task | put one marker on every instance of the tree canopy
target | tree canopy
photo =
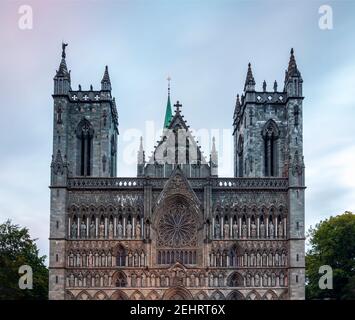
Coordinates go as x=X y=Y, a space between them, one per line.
x=17 y=249
x=332 y=242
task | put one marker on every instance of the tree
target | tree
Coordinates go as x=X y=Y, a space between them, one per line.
x=17 y=249
x=332 y=242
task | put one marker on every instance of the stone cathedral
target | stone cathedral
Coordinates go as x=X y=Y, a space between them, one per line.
x=177 y=230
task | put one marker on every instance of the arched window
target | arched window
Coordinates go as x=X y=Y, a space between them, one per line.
x=270 y=134
x=121 y=279
x=240 y=155
x=121 y=257
x=85 y=133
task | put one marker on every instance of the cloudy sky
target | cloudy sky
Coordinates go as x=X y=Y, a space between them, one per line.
x=205 y=47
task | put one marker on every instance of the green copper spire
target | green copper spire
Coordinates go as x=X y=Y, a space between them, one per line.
x=168 y=113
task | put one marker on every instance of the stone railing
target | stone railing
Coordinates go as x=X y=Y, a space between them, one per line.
x=158 y=183
x=250 y=183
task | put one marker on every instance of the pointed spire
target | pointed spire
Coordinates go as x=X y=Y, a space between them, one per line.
x=141 y=159
x=264 y=86
x=275 y=86
x=214 y=158
x=237 y=106
x=249 y=81
x=63 y=70
x=292 y=70
x=106 y=82
x=168 y=112
x=62 y=76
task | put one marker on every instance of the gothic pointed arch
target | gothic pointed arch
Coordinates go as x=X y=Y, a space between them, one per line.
x=201 y=295
x=217 y=295
x=153 y=295
x=120 y=279
x=69 y=295
x=85 y=134
x=235 y=295
x=83 y=295
x=235 y=280
x=137 y=295
x=270 y=295
x=270 y=134
x=100 y=295
x=120 y=256
x=119 y=295
x=177 y=293
x=253 y=295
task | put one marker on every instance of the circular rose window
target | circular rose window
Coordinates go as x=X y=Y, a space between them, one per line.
x=177 y=227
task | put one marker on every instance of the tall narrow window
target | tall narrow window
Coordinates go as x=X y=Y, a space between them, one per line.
x=240 y=155
x=85 y=134
x=270 y=135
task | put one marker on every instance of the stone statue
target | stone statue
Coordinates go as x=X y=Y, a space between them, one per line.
x=271 y=229
x=90 y=259
x=235 y=230
x=110 y=230
x=280 y=230
x=102 y=229
x=226 y=230
x=74 y=230
x=253 y=230
x=262 y=229
x=217 y=230
x=129 y=230
x=244 y=230
x=138 y=230
x=92 y=230
x=119 y=230
x=83 y=229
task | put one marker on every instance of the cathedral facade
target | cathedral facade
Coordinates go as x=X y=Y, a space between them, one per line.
x=177 y=230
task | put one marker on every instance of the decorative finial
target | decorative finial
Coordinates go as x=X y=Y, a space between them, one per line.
x=291 y=50
x=79 y=87
x=169 y=79
x=91 y=87
x=63 y=49
x=177 y=106
x=264 y=86
x=275 y=86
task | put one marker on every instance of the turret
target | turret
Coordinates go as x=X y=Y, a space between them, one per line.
x=62 y=77
x=214 y=159
x=293 y=78
x=140 y=159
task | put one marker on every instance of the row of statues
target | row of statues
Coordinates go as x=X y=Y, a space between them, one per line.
x=84 y=233
x=244 y=230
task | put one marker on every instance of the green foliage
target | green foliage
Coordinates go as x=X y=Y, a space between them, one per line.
x=332 y=242
x=16 y=249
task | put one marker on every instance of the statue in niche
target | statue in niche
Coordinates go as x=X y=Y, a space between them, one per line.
x=253 y=229
x=147 y=229
x=102 y=229
x=271 y=229
x=110 y=230
x=217 y=230
x=280 y=230
x=235 y=230
x=92 y=229
x=74 y=229
x=226 y=230
x=129 y=230
x=83 y=229
x=138 y=230
x=90 y=259
x=119 y=230
x=244 y=230
x=262 y=229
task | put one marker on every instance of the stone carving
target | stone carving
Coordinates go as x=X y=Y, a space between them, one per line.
x=244 y=230
x=129 y=230
x=92 y=230
x=138 y=230
x=235 y=230
x=83 y=229
x=253 y=229
x=102 y=230
x=110 y=230
x=74 y=230
x=271 y=229
x=226 y=230
x=119 y=230
x=217 y=230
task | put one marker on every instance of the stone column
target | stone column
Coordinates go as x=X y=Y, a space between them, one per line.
x=124 y=227
x=267 y=227
x=248 y=227
x=133 y=228
x=258 y=227
x=97 y=227
x=87 y=227
x=231 y=227
x=115 y=227
x=78 y=229
x=106 y=228
x=142 y=228
x=285 y=227
x=240 y=227
x=222 y=227
x=69 y=228
x=213 y=235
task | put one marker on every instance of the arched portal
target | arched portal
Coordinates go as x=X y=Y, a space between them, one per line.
x=177 y=293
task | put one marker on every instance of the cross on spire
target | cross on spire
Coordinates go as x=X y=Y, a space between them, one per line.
x=169 y=79
x=177 y=106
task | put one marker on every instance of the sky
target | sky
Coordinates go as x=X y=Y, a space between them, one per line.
x=204 y=46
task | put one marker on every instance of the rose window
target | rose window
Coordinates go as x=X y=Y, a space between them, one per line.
x=177 y=227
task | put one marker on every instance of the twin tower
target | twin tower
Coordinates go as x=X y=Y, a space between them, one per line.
x=233 y=238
